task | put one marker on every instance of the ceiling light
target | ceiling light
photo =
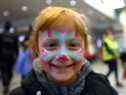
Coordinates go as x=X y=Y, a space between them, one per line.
x=24 y=8
x=49 y=2
x=6 y=13
x=73 y=2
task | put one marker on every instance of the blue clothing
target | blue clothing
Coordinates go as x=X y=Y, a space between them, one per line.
x=24 y=63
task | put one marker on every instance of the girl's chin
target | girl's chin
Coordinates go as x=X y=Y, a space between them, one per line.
x=63 y=78
x=62 y=75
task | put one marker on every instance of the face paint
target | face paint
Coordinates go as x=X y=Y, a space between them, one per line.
x=77 y=56
x=45 y=55
x=64 y=36
x=63 y=52
x=62 y=59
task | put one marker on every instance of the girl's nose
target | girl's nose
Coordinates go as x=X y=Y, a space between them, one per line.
x=62 y=58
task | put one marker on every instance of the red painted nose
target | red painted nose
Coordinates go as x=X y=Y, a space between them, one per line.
x=62 y=58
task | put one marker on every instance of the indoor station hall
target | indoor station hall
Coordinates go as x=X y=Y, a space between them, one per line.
x=62 y=47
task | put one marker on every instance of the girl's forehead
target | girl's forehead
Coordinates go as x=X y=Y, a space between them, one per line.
x=66 y=28
x=62 y=33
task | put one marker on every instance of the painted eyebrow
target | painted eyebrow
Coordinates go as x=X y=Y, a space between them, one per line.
x=51 y=40
x=74 y=39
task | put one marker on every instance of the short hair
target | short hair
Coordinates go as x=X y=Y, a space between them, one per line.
x=54 y=17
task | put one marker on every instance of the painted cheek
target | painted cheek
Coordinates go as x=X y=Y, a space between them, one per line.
x=45 y=56
x=43 y=60
x=76 y=56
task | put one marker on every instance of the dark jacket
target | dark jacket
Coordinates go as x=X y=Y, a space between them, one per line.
x=96 y=84
x=8 y=47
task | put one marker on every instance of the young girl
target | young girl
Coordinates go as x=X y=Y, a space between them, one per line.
x=59 y=36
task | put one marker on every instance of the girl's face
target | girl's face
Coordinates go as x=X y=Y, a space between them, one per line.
x=61 y=54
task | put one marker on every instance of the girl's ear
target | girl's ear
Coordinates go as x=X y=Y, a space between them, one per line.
x=34 y=53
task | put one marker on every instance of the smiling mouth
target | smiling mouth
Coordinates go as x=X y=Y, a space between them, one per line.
x=62 y=66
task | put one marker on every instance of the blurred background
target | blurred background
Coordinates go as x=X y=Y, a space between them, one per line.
x=16 y=18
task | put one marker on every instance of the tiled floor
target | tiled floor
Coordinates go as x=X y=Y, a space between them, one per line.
x=98 y=67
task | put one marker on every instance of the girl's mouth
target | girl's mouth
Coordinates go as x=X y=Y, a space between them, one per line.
x=62 y=66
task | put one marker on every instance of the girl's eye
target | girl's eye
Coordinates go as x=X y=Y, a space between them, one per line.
x=74 y=45
x=51 y=45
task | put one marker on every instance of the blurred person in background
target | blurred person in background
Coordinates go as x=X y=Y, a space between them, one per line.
x=8 y=56
x=59 y=36
x=123 y=61
x=24 y=60
x=111 y=54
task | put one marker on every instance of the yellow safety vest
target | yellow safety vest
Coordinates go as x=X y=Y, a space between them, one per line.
x=112 y=44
